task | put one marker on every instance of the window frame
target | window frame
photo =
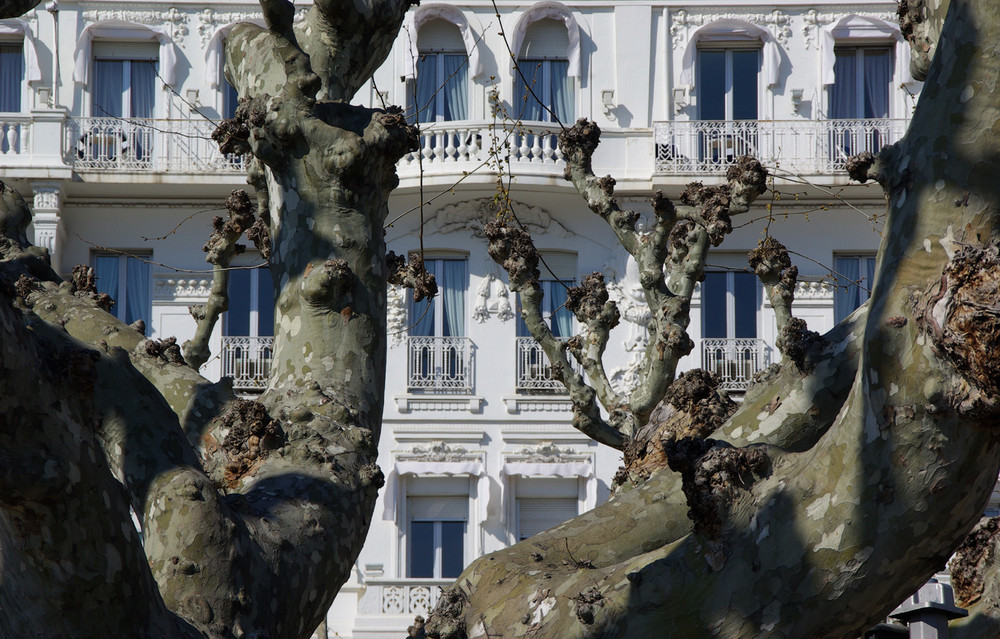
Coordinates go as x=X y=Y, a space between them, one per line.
x=729 y=48
x=439 y=50
x=127 y=60
x=433 y=263
x=23 y=96
x=120 y=307
x=731 y=305
x=542 y=488
x=859 y=48
x=254 y=295
x=450 y=487
x=862 y=258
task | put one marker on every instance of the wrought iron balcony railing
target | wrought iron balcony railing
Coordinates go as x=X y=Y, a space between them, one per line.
x=797 y=146
x=247 y=360
x=534 y=372
x=147 y=145
x=440 y=364
x=735 y=361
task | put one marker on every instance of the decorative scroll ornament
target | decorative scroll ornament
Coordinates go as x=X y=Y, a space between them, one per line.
x=47 y=198
x=814 y=21
x=813 y=290
x=172 y=16
x=209 y=21
x=546 y=453
x=438 y=451
x=168 y=288
x=472 y=215
x=683 y=22
x=396 y=314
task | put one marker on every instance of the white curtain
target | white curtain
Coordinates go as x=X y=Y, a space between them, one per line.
x=137 y=290
x=843 y=92
x=562 y=91
x=456 y=87
x=452 y=287
x=427 y=87
x=877 y=73
x=845 y=296
x=107 y=89
x=11 y=76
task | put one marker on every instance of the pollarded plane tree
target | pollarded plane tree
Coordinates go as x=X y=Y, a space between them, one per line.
x=850 y=472
x=252 y=513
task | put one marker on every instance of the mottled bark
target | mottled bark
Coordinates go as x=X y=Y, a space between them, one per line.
x=843 y=481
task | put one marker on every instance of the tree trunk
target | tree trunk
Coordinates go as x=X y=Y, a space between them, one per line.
x=817 y=533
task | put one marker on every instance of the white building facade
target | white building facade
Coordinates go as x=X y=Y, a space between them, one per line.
x=106 y=114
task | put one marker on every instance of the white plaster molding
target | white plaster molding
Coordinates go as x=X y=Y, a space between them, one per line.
x=168 y=288
x=547 y=452
x=537 y=404
x=492 y=296
x=396 y=314
x=210 y=21
x=439 y=403
x=627 y=294
x=177 y=19
x=779 y=24
x=47 y=198
x=472 y=215
x=813 y=21
x=813 y=290
x=439 y=451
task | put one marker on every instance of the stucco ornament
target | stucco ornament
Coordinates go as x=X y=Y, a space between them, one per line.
x=472 y=216
x=492 y=296
x=627 y=294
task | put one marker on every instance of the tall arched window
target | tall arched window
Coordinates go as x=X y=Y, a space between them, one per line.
x=543 y=60
x=440 y=92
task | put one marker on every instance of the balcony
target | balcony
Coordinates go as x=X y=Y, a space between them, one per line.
x=450 y=147
x=796 y=146
x=735 y=361
x=388 y=606
x=439 y=364
x=15 y=136
x=534 y=373
x=247 y=360
x=146 y=146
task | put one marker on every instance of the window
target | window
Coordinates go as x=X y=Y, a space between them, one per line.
x=436 y=536
x=729 y=305
x=441 y=90
x=728 y=83
x=859 y=273
x=124 y=79
x=11 y=76
x=444 y=314
x=251 y=303
x=861 y=83
x=123 y=87
x=126 y=279
x=543 y=503
x=544 y=64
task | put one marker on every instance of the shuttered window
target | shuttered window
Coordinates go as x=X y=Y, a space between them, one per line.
x=537 y=515
x=545 y=39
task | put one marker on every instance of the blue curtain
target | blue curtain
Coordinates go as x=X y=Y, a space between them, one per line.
x=845 y=296
x=107 y=89
x=526 y=107
x=452 y=285
x=11 y=76
x=137 y=290
x=143 y=88
x=456 y=87
x=421 y=317
x=843 y=93
x=106 y=274
x=877 y=71
x=562 y=91
x=427 y=86
x=562 y=319
x=265 y=302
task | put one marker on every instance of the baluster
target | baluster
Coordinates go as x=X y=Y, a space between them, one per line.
x=428 y=149
x=464 y=135
x=547 y=151
x=473 y=146
x=439 y=147
x=449 y=149
x=536 y=148
x=12 y=138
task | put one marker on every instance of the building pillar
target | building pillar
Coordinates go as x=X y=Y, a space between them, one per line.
x=47 y=222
